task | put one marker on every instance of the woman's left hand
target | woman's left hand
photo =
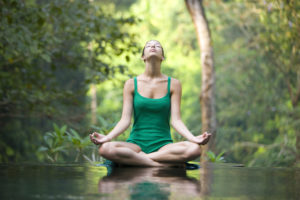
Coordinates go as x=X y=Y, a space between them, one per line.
x=201 y=139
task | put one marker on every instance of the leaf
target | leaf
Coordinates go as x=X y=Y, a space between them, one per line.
x=49 y=142
x=56 y=129
x=50 y=158
x=76 y=141
x=210 y=154
x=59 y=149
x=75 y=134
x=63 y=129
x=87 y=158
x=43 y=148
x=46 y=57
x=220 y=155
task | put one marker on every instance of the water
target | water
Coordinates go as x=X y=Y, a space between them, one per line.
x=84 y=181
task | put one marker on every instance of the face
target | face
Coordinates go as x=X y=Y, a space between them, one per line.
x=153 y=48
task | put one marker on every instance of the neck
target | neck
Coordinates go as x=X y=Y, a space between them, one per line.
x=152 y=69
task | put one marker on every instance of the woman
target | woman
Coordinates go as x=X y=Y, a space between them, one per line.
x=155 y=98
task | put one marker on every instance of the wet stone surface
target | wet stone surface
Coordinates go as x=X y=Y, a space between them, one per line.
x=85 y=181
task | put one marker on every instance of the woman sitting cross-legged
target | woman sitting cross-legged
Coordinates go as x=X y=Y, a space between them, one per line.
x=154 y=99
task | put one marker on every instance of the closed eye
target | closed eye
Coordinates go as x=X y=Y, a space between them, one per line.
x=155 y=46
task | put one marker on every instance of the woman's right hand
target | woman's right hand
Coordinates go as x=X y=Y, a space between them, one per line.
x=98 y=138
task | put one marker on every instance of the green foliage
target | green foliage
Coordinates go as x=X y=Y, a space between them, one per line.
x=55 y=143
x=255 y=67
x=212 y=157
x=256 y=74
x=78 y=143
x=105 y=125
x=54 y=35
x=51 y=50
x=64 y=143
x=49 y=53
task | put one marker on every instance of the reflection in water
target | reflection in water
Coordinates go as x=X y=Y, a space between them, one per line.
x=146 y=190
x=206 y=178
x=149 y=183
x=213 y=181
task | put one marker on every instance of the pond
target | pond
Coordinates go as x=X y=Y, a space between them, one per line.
x=85 y=181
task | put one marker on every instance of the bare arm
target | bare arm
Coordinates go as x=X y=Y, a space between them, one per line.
x=125 y=120
x=176 y=121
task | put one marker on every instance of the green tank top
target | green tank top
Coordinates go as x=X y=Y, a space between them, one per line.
x=151 y=126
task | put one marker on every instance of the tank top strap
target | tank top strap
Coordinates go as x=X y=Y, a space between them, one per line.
x=135 y=84
x=169 y=84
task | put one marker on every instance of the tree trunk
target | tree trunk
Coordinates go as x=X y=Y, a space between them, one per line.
x=207 y=96
x=93 y=91
x=94 y=104
x=297 y=148
x=295 y=102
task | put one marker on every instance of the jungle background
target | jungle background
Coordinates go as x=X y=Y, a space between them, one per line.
x=63 y=62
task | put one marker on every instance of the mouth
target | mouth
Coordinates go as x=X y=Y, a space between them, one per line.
x=152 y=50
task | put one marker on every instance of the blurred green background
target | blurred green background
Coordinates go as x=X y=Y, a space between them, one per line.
x=59 y=57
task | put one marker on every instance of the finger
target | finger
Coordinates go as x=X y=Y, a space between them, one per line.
x=207 y=140
x=91 y=137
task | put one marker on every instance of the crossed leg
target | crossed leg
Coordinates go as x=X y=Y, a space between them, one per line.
x=131 y=154
x=126 y=153
x=179 y=152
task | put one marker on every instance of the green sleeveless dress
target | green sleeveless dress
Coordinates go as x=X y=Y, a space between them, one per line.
x=151 y=126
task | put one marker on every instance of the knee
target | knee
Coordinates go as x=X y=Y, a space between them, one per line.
x=193 y=151
x=105 y=149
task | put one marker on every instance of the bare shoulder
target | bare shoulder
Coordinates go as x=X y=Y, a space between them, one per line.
x=175 y=84
x=129 y=85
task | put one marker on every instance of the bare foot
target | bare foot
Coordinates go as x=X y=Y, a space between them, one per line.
x=152 y=163
x=162 y=164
